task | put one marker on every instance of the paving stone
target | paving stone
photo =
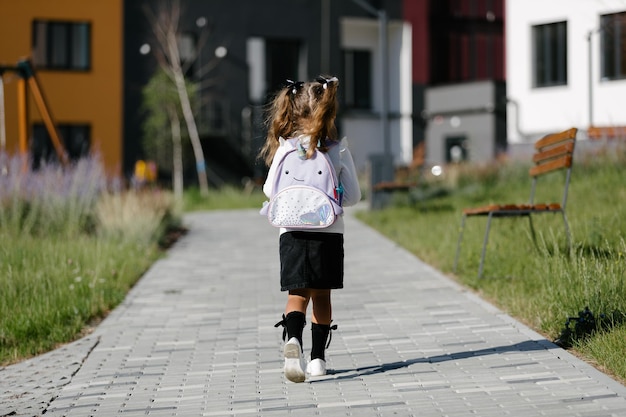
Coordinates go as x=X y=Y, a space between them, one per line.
x=196 y=337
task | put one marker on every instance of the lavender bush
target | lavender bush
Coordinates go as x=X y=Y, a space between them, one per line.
x=71 y=246
x=50 y=200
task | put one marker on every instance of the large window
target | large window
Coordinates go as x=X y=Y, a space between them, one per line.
x=613 y=46
x=62 y=45
x=550 y=54
x=469 y=39
x=282 y=62
x=357 y=79
x=75 y=137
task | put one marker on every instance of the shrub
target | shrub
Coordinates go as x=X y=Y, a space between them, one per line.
x=51 y=200
x=70 y=250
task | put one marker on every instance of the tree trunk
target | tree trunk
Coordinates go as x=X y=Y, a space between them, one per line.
x=192 y=129
x=177 y=155
x=165 y=28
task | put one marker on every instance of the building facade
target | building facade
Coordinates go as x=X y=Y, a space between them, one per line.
x=74 y=47
x=94 y=58
x=566 y=66
x=459 y=89
x=245 y=51
x=447 y=82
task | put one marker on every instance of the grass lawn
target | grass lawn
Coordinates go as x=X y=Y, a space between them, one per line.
x=69 y=252
x=59 y=278
x=542 y=283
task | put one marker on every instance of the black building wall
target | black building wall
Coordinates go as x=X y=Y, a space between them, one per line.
x=312 y=24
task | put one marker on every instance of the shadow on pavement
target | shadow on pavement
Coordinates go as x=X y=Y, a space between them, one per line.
x=526 y=346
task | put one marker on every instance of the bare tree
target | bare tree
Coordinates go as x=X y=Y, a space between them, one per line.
x=162 y=129
x=177 y=155
x=164 y=24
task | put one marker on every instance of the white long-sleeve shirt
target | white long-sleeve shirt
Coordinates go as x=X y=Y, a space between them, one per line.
x=346 y=173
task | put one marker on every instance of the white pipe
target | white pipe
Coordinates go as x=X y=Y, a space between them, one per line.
x=3 y=133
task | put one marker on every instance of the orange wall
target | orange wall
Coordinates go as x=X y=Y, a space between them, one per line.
x=93 y=97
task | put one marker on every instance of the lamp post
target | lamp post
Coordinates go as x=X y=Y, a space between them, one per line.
x=384 y=71
x=3 y=137
x=381 y=165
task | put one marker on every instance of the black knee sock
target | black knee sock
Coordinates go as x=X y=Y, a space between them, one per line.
x=294 y=323
x=319 y=336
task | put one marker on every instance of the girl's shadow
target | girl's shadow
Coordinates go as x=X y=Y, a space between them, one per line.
x=526 y=346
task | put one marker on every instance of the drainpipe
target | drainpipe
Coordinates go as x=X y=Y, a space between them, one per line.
x=518 y=129
x=381 y=164
x=3 y=134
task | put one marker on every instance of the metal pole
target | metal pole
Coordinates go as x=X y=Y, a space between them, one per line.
x=3 y=133
x=384 y=58
x=22 y=120
x=29 y=75
x=590 y=74
x=381 y=165
x=384 y=51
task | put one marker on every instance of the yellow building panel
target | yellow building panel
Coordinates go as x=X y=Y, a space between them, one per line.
x=93 y=97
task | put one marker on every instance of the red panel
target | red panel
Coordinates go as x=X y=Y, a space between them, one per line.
x=416 y=13
x=465 y=57
x=482 y=58
x=453 y=57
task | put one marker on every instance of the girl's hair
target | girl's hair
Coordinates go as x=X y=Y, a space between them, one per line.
x=302 y=108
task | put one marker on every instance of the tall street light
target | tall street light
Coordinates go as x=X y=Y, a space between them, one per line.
x=384 y=71
x=381 y=165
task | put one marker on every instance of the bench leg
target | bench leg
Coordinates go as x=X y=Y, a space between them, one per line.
x=458 y=244
x=482 y=256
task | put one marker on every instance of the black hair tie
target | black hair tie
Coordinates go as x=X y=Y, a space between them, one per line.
x=294 y=86
x=326 y=81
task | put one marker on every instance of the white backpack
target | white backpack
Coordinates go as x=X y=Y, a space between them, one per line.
x=306 y=192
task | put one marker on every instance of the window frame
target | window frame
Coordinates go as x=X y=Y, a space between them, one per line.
x=613 y=46
x=46 y=152
x=364 y=100
x=74 y=53
x=549 y=69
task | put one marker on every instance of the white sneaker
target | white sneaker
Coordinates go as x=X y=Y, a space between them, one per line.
x=317 y=367
x=294 y=361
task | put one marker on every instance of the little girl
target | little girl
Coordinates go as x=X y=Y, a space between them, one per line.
x=311 y=261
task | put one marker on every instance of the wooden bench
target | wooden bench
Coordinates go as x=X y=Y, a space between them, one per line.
x=407 y=177
x=553 y=152
x=606 y=132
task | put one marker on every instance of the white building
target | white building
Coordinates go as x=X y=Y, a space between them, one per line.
x=565 y=66
x=361 y=122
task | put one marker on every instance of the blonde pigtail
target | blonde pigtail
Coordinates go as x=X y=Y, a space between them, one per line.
x=279 y=123
x=322 y=123
x=302 y=109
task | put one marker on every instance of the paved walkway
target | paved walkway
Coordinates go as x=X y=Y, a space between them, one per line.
x=195 y=337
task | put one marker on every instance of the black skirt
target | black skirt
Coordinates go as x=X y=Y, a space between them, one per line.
x=311 y=260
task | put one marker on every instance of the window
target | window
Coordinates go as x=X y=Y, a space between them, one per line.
x=550 y=54
x=357 y=79
x=212 y=116
x=62 y=45
x=613 y=46
x=75 y=138
x=282 y=62
x=456 y=149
